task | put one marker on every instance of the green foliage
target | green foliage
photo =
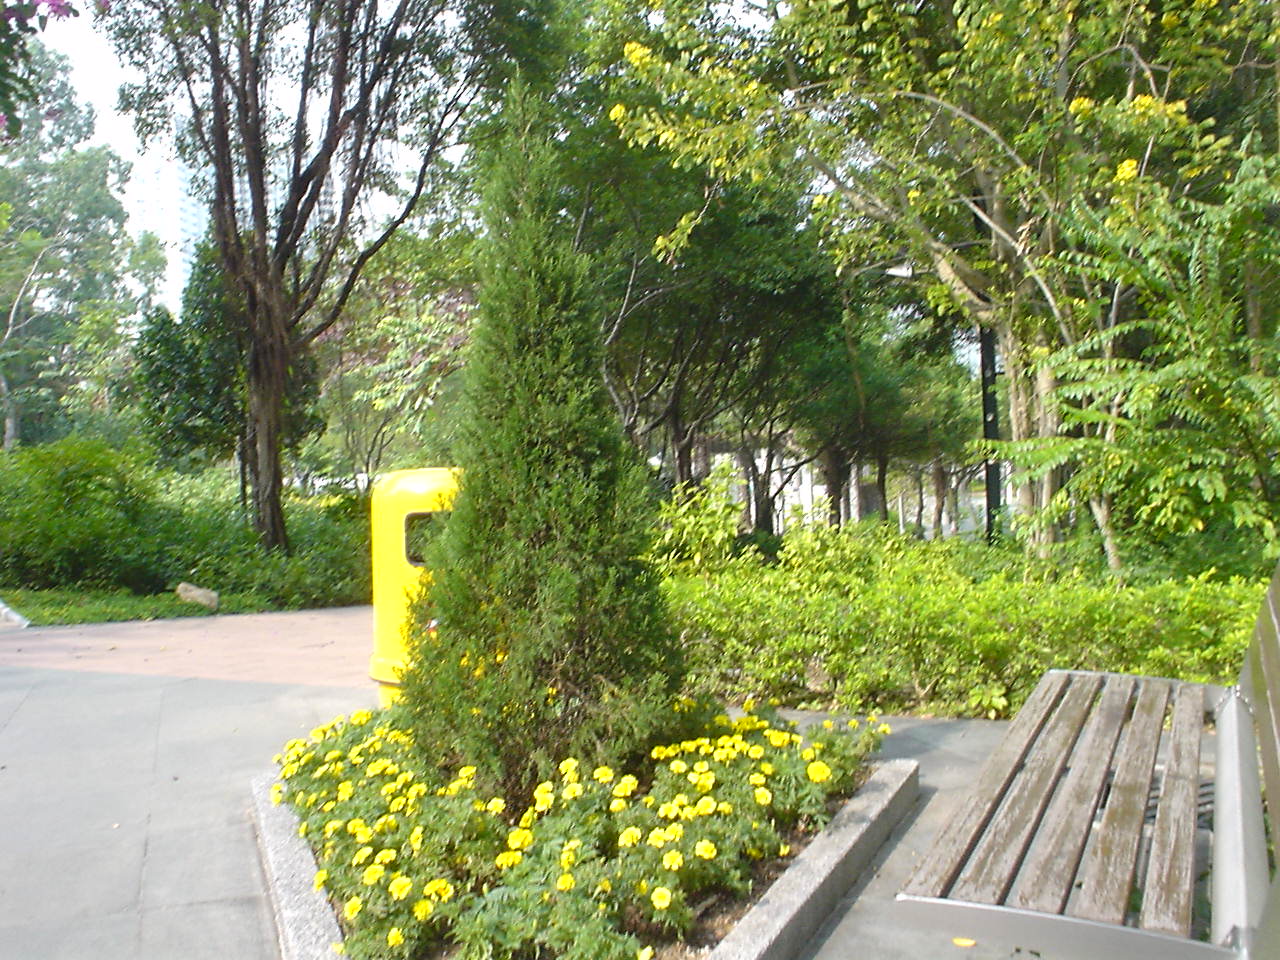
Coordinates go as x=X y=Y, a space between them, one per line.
x=553 y=638
x=698 y=525
x=865 y=617
x=604 y=858
x=77 y=512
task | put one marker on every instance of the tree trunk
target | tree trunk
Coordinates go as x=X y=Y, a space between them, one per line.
x=882 y=490
x=940 y=487
x=918 y=476
x=835 y=477
x=858 y=506
x=267 y=378
x=9 y=406
x=1101 y=509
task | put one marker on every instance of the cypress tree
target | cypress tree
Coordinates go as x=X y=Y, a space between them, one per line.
x=552 y=639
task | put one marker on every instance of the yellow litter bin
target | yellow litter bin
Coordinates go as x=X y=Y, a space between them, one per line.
x=406 y=504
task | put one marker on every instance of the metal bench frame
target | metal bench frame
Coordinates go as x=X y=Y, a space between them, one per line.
x=1045 y=850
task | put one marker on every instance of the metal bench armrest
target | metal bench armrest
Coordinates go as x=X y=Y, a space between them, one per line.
x=1240 y=874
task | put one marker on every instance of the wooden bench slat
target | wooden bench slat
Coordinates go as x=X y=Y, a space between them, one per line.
x=991 y=867
x=1259 y=680
x=1051 y=863
x=1167 y=893
x=1108 y=868
x=956 y=840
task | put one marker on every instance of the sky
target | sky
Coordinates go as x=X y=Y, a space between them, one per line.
x=152 y=195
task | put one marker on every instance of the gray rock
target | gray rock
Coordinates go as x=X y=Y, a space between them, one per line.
x=193 y=594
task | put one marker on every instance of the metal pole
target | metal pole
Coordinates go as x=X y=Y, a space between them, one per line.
x=990 y=425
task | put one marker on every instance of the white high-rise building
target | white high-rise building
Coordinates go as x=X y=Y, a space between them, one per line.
x=161 y=199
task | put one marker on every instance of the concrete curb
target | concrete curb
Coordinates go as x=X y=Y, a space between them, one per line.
x=781 y=923
x=777 y=928
x=12 y=615
x=305 y=925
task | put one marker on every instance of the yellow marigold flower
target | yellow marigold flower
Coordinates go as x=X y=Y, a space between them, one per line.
x=320 y=878
x=705 y=806
x=755 y=751
x=724 y=808
x=520 y=839
x=415 y=838
x=853 y=724
x=617 y=805
x=496 y=806
x=422 y=909
x=818 y=772
x=705 y=781
x=784 y=850
x=756 y=780
x=302 y=828
x=355 y=825
x=675 y=832
x=372 y=874
x=394 y=937
x=572 y=791
x=363 y=854
x=828 y=725
x=399 y=887
x=661 y=898
x=352 y=908
x=508 y=858
x=569 y=768
x=657 y=838
x=673 y=860
x=767 y=769
x=678 y=766
x=629 y=837
x=332 y=827
x=565 y=882
x=644 y=953
x=807 y=754
x=360 y=717
x=884 y=729
x=705 y=849
x=385 y=856
x=397 y=804
x=604 y=886
x=763 y=796
x=602 y=775
x=277 y=793
x=439 y=888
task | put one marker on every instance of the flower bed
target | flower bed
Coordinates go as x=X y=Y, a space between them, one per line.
x=601 y=864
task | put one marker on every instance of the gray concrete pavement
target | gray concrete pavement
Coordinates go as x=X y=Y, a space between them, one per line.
x=126 y=752
x=125 y=756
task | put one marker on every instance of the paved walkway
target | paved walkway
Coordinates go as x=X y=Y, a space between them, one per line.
x=125 y=756
x=126 y=752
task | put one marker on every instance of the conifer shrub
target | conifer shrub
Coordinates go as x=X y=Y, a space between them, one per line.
x=552 y=638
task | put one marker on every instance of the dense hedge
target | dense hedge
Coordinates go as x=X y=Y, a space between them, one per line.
x=80 y=513
x=866 y=618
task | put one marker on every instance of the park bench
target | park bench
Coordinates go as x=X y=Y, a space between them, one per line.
x=1121 y=816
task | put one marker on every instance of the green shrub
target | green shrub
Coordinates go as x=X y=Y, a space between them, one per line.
x=866 y=618
x=78 y=512
x=552 y=636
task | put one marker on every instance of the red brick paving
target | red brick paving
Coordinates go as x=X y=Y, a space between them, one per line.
x=310 y=647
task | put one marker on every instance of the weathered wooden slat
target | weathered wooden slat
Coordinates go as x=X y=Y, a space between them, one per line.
x=1049 y=870
x=939 y=868
x=1167 y=893
x=1261 y=681
x=990 y=870
x=1107 y=871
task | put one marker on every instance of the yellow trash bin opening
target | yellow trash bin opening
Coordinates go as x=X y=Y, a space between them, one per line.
x=405 y=507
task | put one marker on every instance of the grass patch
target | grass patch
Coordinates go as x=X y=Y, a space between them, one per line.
x=45 y=608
